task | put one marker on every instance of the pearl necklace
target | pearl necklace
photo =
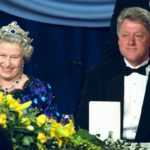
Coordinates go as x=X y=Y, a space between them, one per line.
x=12 y=86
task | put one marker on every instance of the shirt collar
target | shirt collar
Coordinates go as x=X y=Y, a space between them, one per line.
x=129 y=65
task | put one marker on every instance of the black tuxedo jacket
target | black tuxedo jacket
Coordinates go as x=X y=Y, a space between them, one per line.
x=106 y=82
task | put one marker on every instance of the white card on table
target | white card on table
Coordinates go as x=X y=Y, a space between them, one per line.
x=104 y=116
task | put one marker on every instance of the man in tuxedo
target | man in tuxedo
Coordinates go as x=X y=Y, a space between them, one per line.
x=125 y=79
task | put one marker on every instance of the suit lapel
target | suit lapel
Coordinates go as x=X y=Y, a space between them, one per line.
x=114 y=85
x=114 y=88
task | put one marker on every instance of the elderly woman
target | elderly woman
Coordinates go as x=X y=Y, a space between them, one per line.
x=15 y=50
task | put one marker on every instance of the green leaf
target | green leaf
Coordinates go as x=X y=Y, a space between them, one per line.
x=85 y=134
x=27 y=140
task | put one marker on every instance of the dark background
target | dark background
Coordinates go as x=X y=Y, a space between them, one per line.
x=62 y=55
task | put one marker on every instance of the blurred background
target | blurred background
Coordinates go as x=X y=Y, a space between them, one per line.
x=69 y=37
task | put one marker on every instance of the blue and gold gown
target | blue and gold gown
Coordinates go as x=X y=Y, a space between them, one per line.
x=40 y=93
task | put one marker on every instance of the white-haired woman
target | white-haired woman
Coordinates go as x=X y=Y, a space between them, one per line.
x=15 y=50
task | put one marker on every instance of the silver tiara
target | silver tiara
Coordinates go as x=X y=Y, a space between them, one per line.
x=14 y=29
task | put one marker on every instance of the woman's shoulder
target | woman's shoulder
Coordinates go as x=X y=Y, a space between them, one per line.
x=36 y=83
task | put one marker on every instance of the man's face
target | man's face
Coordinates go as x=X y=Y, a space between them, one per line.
x=134 y=42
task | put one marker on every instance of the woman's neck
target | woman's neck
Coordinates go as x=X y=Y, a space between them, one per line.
x=6 y=83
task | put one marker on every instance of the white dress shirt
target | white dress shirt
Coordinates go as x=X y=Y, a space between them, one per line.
x=134 y=91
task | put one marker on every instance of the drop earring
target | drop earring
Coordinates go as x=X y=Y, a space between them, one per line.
x=21 y=71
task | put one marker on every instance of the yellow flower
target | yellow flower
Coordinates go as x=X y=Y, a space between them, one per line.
x=13 y=103
x=69 y=128
x=23 y=106
x=20 y=113
x=17 y=106
x=41 y=119
x=60 y=142
x=42 y=137
x=58 y=131
x=3 y=120
x=26 y=121
x=1 y=97
x=9 y=97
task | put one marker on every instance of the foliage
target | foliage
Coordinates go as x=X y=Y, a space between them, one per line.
x=30 y=130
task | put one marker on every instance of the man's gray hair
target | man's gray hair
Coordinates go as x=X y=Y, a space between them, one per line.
x=135 y=14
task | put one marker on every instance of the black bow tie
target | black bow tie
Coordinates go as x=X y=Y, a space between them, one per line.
x=141 y=70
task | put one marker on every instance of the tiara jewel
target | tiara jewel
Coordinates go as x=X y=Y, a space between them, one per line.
x=14 y=29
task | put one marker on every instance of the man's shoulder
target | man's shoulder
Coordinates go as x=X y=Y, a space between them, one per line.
x=107 y=69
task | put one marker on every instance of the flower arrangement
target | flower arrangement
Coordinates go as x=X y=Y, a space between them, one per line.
x=30 y=130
